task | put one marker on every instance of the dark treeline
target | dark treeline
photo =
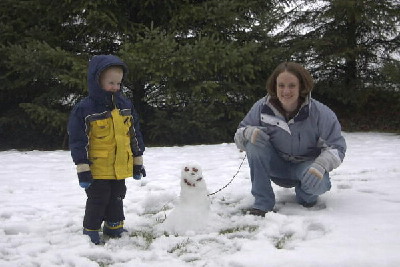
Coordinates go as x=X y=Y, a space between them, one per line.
x=196 y=66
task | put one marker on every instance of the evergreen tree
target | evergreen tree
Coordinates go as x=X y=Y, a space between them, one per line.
x=344 y=43
x=45 y=46
x=199 y=73
x=194 y=64
x=37 y=74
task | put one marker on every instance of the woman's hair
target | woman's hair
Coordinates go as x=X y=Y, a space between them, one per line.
x=305 y=79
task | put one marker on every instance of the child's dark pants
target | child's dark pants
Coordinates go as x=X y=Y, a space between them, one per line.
x=104 y=203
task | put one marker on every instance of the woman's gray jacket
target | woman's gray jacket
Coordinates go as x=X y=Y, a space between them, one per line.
x=313 y=133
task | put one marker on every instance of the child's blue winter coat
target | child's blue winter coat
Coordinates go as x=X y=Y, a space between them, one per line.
x=104 y=127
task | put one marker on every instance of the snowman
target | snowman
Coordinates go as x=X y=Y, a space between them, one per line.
x=191 y=213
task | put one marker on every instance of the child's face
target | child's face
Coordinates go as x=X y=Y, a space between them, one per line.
x=110 y=79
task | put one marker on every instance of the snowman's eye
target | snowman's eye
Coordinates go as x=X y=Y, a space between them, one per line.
x=186 y=169
x=195 y=169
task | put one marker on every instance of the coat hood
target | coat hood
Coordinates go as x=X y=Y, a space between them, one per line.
x=96 y=65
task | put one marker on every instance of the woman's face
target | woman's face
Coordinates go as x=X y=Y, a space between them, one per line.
x=288 y=90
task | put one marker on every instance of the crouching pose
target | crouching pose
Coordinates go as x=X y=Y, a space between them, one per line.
x=290 y=139
x=106 y=146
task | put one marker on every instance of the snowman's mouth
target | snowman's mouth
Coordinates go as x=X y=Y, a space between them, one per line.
x=192 y=184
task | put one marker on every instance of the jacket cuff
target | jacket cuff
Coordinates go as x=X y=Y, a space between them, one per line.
x=82 y=168
x=239 y=139
x=84 y=173
x=138 y=161
x=329 y=159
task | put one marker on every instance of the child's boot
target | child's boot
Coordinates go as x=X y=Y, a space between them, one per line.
x=94 y=235
x=114 y=229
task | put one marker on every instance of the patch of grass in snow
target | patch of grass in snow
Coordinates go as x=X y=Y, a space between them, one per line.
x=161 y=219
x=246 y=228
x=180 y=248
x=101 y=261
x=281 y=241
x=145 y=238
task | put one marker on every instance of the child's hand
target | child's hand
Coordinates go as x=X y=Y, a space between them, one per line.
x=138 y=172
x=85 y=184
x=84 y=175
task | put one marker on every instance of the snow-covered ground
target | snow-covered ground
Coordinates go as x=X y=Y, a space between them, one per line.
x=357 y=223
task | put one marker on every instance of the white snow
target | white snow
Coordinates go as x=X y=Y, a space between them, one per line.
x=357 y=223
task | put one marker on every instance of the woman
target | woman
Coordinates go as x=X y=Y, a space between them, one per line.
x=290 y=139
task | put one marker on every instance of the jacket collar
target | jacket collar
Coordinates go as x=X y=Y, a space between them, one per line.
x=303 y=113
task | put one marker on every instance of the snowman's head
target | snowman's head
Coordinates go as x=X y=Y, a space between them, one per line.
x=191 y=174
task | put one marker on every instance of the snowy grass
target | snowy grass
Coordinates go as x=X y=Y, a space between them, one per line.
x=355 y=224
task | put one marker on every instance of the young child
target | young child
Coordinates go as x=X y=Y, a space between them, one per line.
x=106 y=146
